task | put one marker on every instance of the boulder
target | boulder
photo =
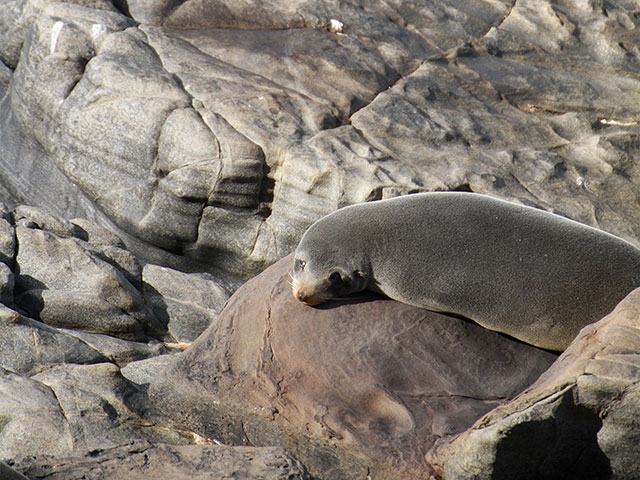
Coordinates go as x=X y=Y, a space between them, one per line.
x=184 y=303
x=351 y=389
x=83 y=311
x=578 y=420
x=66 y=281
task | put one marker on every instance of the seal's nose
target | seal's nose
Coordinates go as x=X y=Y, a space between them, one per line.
x=302 y=295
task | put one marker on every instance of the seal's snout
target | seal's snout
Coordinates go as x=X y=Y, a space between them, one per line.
x=305 y=296
x=302 y=296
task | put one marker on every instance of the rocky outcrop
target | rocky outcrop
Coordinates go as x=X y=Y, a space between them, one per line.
x=228 y=128
x=355 y=389
x=177 y=462
x=578 y=420
x=76 y=308
x=208 y=136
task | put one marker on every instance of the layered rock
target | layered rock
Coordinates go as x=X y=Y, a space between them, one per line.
x=209 y=135
x=77 y=308
x=227 y=129
x=578 y=420
x=178 y=462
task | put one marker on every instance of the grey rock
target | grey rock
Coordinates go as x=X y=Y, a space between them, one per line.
x=578 y=420
x=178 y=462
x=9 y=473
x=118 y=351
x=143 y=372
x=102 y=409
x=7 y=284
x=28 y=346
x=364 y=387
x=7 y=237
x=28 y=410
x=67 y=282
x=187 y=303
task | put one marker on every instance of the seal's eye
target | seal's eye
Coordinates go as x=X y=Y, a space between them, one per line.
x=299 y=264
x=335 y=278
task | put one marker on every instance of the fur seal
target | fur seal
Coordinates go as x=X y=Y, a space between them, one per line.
x=530 y=274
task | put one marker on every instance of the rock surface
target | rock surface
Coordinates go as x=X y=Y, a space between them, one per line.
x=227 y=133
x=175 y=462
x=354 y=389
x=76 y=309
x=578 y=420
x=208 y=136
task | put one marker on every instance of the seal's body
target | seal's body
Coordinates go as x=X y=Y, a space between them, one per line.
x=531 y=274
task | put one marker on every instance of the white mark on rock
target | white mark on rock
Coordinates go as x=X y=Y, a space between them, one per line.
x=55 y=33
x=335 y=26
x=605 y=121
x=97 y=30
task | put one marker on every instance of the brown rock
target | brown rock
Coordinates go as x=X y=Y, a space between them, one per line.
x=579 y=420
x=353 y=389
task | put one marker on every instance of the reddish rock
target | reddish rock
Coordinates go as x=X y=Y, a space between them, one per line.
x=579 y=420
x=355 y=388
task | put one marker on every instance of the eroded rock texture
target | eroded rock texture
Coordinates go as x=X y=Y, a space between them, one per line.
x=225 y=128
x=208 y=135
x=578 y=420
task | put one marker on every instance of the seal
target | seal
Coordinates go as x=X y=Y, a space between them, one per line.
x=524 y=272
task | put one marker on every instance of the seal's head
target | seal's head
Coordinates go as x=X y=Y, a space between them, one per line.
x=312 y=285
x=324 y=269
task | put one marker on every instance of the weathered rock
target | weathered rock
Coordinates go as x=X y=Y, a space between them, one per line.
x=578 y=420
x=210 y=135
x=178 y=462
x=33 y=421
x=8 y=473
x=228 y=133
x=101 y=408
x=74 y=408
x=118 y=351
x=28 y=346
x=67 y=282
x=186 y=303
x=143 y=372
x=352 y=388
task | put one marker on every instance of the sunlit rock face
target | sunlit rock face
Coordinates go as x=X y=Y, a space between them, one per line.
x=211 y=134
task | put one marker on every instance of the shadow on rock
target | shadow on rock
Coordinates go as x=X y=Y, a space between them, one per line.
x=563 y=447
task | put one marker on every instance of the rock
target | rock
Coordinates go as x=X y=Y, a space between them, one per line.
x=101 y=408
x=143 y=372
x=364 y=386
x=29 y=409
x=208 y=136
x=118 y=351
x=8 y=473
x=178 y=462
x=578 y=420
x=74 y=408
x=65 y=281
x=28 y=346
x=224 y=150
x=186 y=303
